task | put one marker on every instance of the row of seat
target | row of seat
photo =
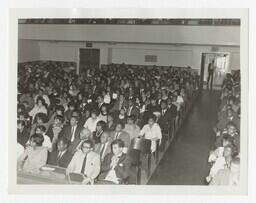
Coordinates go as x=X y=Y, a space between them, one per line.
x=140 y=150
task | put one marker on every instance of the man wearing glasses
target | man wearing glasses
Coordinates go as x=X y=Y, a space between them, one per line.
x=85 y=164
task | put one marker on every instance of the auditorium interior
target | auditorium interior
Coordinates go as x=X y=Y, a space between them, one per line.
x=128 y=101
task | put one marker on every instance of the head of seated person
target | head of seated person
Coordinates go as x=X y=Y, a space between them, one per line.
x=59 y=110
x=229 y=153
x=40 y=118
x=104 y=110
x=40 y=102
x=85 y=134
x=58 y=121
x=231 y=129
x=131 y=120
x=94 y=114
x=227 y=140
x=105 y=137
x=87 y=146
x=100 y=126
x=63 y=144
x=151 y=120
x=119 y=126
x=117 y=147
x=36 y=141
x=74 y=120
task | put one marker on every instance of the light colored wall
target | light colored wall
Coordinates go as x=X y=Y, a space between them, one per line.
x=213 y=35
x=189 y=55
x=28 y=50
x=68 y=51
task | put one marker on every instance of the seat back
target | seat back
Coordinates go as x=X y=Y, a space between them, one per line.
x=141 y=144
x=134 y=155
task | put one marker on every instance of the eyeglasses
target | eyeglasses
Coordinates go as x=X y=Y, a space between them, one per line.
x=85 y=147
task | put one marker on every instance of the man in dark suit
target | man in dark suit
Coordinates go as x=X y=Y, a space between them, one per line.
x=72 y=130
x=100 y=102
x=116 y=165
x=119 y=133
x=132 y=109
x=22 y=133
x=120 y=103
x=60 y=157
x=85 y=134
x=210 y=74
x=104 y=147
x=173 y=109
x=166 y=117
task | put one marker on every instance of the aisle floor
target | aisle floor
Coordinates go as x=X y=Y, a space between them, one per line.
x=185 y=162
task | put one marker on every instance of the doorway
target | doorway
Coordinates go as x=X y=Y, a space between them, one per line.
x=88 y=58
x=221 y=67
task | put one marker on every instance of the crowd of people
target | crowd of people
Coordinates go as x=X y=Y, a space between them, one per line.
x=225 y=157
x=86 y=123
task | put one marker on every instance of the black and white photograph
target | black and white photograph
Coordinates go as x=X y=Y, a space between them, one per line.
x=116 y=102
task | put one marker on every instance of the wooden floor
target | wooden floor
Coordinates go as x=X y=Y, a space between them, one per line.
x=185 y=162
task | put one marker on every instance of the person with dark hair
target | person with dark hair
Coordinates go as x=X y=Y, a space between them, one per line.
x=115 y=168
x=72 y=130
x=47 y=141
x=119 y=103
x=119 y=133
x=91 y=122
x=222 y=162
x=34 y=156
x=103 y=113
x=131 y=128
x=60 y=157
x=229 y=175
x=55 y=128
x=40 y=119
x=69 y=111
x=121 y=117
x=104 y=146
x=166 y=117
x=42 y=95
x=39 y=107
x=211 y=68
x=22 y=133
x=59 y=111
x=132 y=109
x=100 y=127
x=110 y=122
x=85 y=163
x=151 y=131
x=100 y=102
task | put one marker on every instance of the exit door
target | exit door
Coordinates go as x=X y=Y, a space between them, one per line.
x=88 y=58
x=221 y=63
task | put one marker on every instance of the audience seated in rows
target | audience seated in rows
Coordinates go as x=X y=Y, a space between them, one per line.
x=86 y=122
x=225 y=156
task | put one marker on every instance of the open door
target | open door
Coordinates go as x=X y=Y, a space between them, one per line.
x=221 y=64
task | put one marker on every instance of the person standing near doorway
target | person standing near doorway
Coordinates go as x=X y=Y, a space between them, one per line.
x=210 y=74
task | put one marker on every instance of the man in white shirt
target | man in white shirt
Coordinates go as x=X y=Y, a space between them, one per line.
x=151 y=131
x=85 y=162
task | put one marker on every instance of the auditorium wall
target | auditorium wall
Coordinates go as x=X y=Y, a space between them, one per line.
x=172 y=45
x=28 y=50
x=210 y=35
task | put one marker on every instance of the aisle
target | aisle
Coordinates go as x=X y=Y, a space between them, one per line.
x=185 y=162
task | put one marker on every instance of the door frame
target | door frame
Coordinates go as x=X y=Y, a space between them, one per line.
x=203 y=55
x=78 y=57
